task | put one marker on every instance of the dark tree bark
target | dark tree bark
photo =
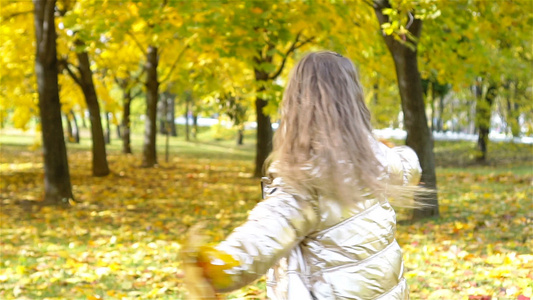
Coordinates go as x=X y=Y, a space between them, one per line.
x=441 y=113
x=119 y=134
x=264 y=128
x=419 y=136
x=100 y=166
x=83 y=122
x=513 y=108
x=76 y=129
x=57 y=187
x=188 y=98
x=433 y=115
x=126 y=124
x=433 y=90
x=165 y=124
x=513 y=119
x=194 y=125
x=152 y=94
x=73 y=135
x=162 y=113
x=107 y=136
x=375 y=97
x=240 y=135
x=167 y=115
x=171 y=114
x=70 y=133
x=483 y=114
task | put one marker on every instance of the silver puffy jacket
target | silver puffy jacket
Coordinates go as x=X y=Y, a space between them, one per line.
x=320 y=248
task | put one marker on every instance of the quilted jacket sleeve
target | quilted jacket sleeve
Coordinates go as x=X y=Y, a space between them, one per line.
x=274 y=227
x=401 y=164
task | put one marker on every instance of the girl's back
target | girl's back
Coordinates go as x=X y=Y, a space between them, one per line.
x=325 y=229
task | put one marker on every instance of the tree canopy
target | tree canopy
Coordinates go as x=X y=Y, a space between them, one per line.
x=462 y=41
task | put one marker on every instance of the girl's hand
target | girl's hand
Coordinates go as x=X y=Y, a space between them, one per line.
x=387 y=142
x=195 y=280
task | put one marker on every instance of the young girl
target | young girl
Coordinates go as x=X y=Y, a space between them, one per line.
x=325 y=229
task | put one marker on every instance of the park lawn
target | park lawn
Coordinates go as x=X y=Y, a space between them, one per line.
x=121 y=240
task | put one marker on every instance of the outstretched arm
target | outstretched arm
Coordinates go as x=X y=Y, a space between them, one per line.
x=274 y=227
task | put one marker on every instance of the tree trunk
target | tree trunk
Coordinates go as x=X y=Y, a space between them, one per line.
x=165 y=124
x=126 y=124
x=100 y=166
x=433 y=115
x=194 y=125
x=70 y=134
x=441 y=113
x=171 y=114
x=187 y=107
x=483 y=114
x=107 y=136
x=57 y=187
x=152 y=94
x=167 y=114
x=119 y=134
x=240 y=135
x=2 y=119
x=264 y=131
x=513 y=113
x=515 y=120
x=83 y=122
x=419 y=136
x=375 y=98
x=264 y=136
x=76 y=128
x=264 y=126
x=162 y=113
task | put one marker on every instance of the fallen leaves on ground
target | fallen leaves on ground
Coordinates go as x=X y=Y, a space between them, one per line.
x=122 y=238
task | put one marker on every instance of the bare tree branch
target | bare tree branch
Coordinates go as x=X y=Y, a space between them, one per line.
x=304 y=42
x=380 y=4
x=137 y=42
x=369 y=2
x=414 y=25
x=295 y=45
x=73 y=75
x=119 y=82
x=16 y=14
x=186 y=46
x=174 y=64
x=136 y=94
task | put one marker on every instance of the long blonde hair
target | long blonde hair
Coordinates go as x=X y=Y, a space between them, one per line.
x=323 y=143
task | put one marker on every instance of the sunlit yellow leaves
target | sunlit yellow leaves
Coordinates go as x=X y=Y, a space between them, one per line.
x=139 y=26
x=123 y=239
x=114 y=240
x=175 y=19
x=70 y=94
x=133 y=8
x=487 y=244
x=17 y=83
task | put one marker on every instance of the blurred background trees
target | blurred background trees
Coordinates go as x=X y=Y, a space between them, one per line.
x=427 y=66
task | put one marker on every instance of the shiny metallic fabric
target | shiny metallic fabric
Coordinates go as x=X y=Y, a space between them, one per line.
x=319 y=248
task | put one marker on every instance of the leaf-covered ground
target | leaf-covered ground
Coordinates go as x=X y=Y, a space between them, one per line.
x=121 y=241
